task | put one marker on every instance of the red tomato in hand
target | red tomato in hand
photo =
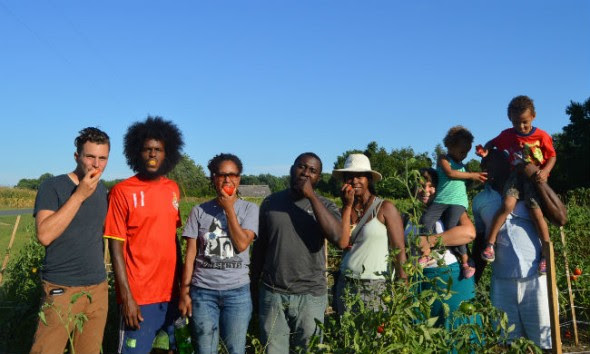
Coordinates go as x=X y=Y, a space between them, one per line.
x=229 y=190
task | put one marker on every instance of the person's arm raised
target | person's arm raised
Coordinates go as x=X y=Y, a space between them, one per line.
x=553 y=207
x=445 y=165
x=52 y=224
x=330 y=225
x=347 y=195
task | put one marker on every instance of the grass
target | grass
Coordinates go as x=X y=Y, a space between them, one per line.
x=25 y=228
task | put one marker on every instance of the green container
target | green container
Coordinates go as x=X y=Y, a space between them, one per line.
x=182 y=335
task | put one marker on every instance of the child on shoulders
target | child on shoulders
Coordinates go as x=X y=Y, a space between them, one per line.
x=451 y=197
x=523 y=143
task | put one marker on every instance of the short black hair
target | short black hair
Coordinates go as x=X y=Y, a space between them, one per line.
x=519 y=104
x=309 y=154
x=456 y=135
x=93 y=135
x=214 y=163
x=158 y=129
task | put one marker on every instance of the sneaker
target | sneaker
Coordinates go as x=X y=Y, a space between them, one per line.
x=488 y=253
x=467 y=270
x=542 y=266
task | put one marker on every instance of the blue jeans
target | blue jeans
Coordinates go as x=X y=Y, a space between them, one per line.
x=225 y=311
x=283 y=314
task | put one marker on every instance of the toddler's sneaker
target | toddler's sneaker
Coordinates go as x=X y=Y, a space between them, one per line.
x=467 y=270
x=488 y=253
x=542 y=266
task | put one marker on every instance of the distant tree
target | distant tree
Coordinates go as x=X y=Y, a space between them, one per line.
x=274 y=183
x=33 y=183
x=572 y=169
x=191 y=178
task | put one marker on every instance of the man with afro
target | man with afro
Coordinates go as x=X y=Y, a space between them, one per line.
x=141 y=227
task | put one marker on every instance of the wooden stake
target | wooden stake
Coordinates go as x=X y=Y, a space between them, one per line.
x=553 y=297
x=569 y=287
x=9 y=247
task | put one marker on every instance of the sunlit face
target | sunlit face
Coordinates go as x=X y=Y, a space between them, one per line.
x=459 y=151
x=92 y=157
x=523 y=123
x=359 y=182
x=153 y=155
x=426 y=192
x=228 y=175
x=307 y=167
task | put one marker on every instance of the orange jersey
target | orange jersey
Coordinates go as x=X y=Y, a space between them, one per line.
x=144 y=215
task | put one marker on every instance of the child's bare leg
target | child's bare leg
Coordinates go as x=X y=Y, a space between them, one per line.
x=464 y=259
x=508 y=205
x=540 y=224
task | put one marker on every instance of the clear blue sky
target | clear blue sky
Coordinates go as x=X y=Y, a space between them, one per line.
x=267 y=80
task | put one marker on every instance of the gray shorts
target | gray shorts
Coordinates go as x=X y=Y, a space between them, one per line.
x=521 y=188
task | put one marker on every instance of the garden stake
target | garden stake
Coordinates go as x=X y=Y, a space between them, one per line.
x=9 y=247
x=553 y=297
x=569 y=286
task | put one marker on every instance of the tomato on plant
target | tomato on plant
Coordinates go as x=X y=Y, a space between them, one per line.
x=229 y=190
x=386 y=299
x=573 y=277
x=381 y=328
x=578 y=271
x=467 y=308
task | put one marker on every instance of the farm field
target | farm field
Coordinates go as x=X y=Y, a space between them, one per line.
x=19 y=293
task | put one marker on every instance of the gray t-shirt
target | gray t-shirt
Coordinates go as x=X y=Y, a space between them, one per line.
x=293 y=245
x=76 y=257
x=217 y=265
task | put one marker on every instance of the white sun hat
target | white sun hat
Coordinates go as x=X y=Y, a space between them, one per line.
x=357 y=163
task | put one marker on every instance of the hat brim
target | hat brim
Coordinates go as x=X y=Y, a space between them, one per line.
x=339 y=172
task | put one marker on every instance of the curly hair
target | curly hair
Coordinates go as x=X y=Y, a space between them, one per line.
x=214 y=163
x=457 y=134
x=158 y=129
x=519 y=104
x=93 y=135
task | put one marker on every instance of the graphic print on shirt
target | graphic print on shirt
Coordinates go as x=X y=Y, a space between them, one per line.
x=216 y=248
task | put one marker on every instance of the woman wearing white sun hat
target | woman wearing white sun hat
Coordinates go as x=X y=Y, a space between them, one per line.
x=371 y=227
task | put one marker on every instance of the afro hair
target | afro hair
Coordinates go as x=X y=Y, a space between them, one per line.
x=158 y=129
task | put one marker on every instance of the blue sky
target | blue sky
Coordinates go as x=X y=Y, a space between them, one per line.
x=267 y=80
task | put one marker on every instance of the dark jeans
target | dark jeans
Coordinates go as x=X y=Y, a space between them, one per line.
x=450 y=215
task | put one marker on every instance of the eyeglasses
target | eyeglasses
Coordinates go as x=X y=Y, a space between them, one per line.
x=231 y=175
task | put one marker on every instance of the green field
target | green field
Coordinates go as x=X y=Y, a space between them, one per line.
x=25 y=228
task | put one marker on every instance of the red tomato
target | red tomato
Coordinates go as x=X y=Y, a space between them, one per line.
x=577 y=271
x=229 y=190
x=573 y=277
x=480 y=151
x=94 y=173
x=380 y=329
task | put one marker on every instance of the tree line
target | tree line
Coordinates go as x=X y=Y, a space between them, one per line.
x=571 y=171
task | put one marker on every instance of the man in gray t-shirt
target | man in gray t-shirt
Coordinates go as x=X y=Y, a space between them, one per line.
x=288 y=258
x=70 y=210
